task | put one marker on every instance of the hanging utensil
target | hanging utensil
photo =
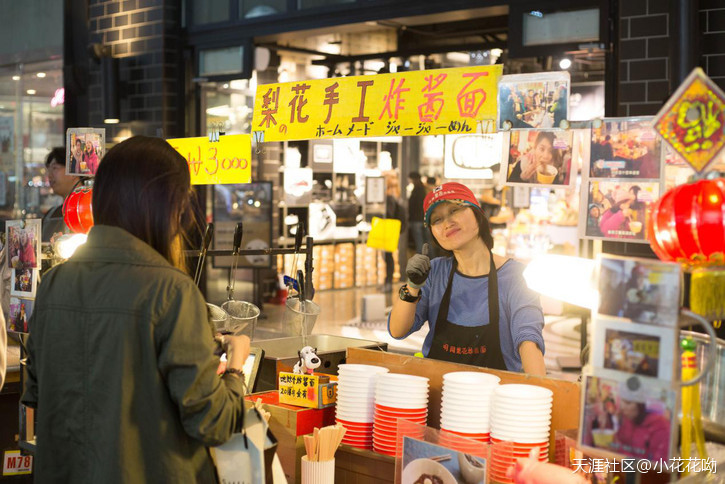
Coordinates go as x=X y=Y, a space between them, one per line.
x=290 y=281
x=238 y=232
x=206 y=241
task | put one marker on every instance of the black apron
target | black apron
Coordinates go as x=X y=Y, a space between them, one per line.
x=471 y=345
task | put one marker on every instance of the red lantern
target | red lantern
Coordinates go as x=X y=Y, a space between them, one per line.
x=688 y=223
x=78 y=210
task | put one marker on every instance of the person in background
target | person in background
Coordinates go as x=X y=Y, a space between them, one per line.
x=496 y=213
x=76 y=156
x=415 y=211
x=614 y=221
x=394 y=210
x=477 y=305
x=62 y=185
x=90 y=156
x=139 y=400
x=642 y=433
x=543 y=153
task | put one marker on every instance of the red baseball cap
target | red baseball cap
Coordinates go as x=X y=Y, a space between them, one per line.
x=448 y=192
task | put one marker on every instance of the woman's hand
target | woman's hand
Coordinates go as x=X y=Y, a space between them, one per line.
x=530 y=171
x=236 y=347
x=418 y=268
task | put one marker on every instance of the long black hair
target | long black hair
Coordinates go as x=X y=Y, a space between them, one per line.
x=143 y=186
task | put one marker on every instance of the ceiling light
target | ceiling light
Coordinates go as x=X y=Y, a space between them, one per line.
x=16 y=78
x=40 y=74
x=111 y=120
x=226 y=86
x=565 y=63
x=31 y=92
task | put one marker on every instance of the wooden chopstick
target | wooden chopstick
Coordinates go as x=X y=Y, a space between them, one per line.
x=440 y=458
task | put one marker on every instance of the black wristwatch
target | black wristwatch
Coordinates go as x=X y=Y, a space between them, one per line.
x=406 y=296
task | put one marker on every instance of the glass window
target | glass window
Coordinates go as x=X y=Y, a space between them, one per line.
x=209 y=11
x=215 y=62
x=561 y=27
x=302 y=4
x=31 y=124
x=260 y=8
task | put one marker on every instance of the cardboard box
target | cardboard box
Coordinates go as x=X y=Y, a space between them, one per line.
x=565 y=406
x=357 y=466
x=289 y=424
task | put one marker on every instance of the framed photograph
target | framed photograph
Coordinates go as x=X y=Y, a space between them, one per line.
x=23 y=239
x=636 y=349
x=85 y=148
x=541 y=158
x=20 y=311
x=422 y=463
x=626 y=148
x=616 y=209
x=629 y=415
x=23 y=282
x=539 y=100
x=430 y=455
x=640 y=290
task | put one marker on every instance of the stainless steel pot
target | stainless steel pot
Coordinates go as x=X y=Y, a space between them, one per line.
x=712 y=388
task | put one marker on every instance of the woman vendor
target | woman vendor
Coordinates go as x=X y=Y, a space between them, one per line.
x=460 y=295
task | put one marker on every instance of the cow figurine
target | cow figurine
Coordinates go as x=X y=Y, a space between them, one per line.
x=308 y=362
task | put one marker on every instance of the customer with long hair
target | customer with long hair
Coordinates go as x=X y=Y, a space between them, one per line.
x=121 y=363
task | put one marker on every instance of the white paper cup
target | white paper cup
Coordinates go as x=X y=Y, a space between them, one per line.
x=470 y=379
x=399 y=380
x=522 y=438
x=318 y=472
x=402 y=402
x=506 y=427
x=523 y=392
x=360 y=369
x=465 y=428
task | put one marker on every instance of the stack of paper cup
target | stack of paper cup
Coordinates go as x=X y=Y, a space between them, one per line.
x=356 y=401
x=466 y=404
x=398 y=396
x=520 y=421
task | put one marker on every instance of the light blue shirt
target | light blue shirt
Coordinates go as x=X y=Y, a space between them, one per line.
x=520 y=315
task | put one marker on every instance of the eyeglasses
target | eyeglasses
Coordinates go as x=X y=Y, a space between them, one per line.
x=439 y=217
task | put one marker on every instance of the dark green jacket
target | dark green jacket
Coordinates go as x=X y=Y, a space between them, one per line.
x=122 y=372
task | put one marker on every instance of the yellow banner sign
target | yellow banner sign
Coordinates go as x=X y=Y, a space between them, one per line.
x=226 y=161
x=415 y=103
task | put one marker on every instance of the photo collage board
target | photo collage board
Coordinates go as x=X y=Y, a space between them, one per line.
x=629 y=402
x=621 y=159
x=23 y=259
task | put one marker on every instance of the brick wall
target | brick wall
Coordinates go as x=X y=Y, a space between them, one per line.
x=644 y=52
x=145 y=36
x=712 y=44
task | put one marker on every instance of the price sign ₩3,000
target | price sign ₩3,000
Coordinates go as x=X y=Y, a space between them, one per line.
x=223 y=162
